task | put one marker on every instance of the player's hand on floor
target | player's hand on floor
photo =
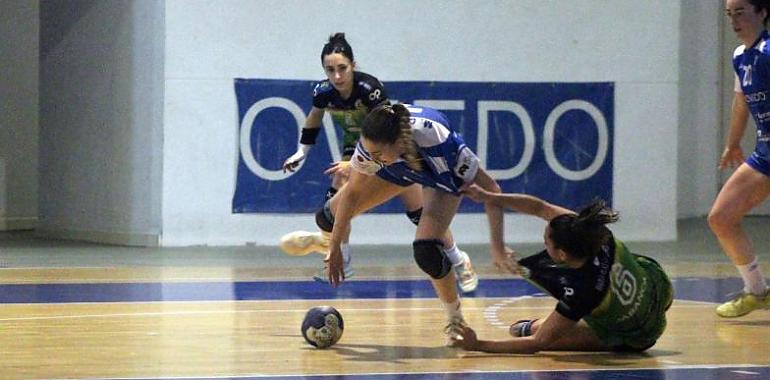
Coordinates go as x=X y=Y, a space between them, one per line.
x=465 y=339
x=505 y=260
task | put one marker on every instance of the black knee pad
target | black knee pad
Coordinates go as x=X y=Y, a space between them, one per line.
x=414 y=216
x=324 y=218
x=329 y=193
x=430 y=257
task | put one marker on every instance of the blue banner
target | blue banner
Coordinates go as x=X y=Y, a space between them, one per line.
x=551 y=140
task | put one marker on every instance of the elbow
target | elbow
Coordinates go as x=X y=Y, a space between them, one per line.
x=494 y=187
x=539 y=344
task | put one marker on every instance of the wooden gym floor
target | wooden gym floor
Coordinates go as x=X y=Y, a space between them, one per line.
x=74 y=310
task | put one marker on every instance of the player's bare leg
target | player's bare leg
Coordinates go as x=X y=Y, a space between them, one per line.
x=745 y=189
x=465 y=275
x=438 y=211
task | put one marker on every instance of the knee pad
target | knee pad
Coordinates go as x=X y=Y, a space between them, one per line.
x=430 y=257
x=329 y=193
x=324 y=218
x=414 y=216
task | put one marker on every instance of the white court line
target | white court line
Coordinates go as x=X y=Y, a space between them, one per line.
x=364 y=374
x=487 y=315
x=746 y=372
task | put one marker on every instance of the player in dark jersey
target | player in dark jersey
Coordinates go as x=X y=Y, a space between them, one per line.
x=402 y=146
x=609 y=299
x=348 y=95
x=749 y=185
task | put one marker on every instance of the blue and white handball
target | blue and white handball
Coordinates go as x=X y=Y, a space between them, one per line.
x=322 y=326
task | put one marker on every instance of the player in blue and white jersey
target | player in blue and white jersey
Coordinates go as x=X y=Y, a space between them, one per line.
x=399 y=147
x=348 y=95
x=749 y=185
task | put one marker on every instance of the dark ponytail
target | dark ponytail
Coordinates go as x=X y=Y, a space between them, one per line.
x=759 y=5
x=337 y=44
x=582 y=235
x=389 y=124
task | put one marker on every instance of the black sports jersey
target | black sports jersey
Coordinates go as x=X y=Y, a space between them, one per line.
x=579 y=290
x=616 y=288
x=368 y=92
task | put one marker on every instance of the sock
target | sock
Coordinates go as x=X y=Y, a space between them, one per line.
x=345 y=248
x=454 y=255
x=454 y=310
x=753 y=280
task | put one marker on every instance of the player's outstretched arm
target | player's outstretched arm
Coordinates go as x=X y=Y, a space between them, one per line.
x=523 y=203
x=349 y=195
x=548 y=336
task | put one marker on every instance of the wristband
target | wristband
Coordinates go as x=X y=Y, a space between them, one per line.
x=309 y=135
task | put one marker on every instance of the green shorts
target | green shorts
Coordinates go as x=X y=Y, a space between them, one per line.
x=652 y=328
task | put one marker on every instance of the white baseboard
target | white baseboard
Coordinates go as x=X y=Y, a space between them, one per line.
x=16 y=224
x=114 y=238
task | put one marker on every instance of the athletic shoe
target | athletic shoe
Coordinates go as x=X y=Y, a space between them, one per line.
x=465 y=275
x=453 y=330
x=743 y=304
x=301 y=243
x=323 y=275
x=521 y=328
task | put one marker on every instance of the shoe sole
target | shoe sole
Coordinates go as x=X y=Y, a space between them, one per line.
x=470 y=288
x=308 y=243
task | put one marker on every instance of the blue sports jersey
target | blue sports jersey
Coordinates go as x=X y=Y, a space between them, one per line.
x=447 y=163
x=752 y=66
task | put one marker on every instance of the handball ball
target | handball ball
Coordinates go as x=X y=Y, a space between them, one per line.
x=322 y=326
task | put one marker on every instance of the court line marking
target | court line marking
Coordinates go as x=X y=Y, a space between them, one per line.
x=746 y=372
x=303 y=310
x=353 y=375
x=492 y=318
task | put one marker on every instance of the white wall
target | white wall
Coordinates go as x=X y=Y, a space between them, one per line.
x=516 y=41
x=19 y=26
x=699 y=105
x=101 y=115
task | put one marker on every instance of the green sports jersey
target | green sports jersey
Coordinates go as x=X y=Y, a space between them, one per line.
x=349 y=114
x=621 y=295
x=639 y=291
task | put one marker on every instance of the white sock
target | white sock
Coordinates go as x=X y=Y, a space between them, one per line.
x=753 y=280
x=454 y=254
x=454 y=310
x=345 y=248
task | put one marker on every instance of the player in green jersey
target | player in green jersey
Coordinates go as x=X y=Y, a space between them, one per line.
x=609 y=299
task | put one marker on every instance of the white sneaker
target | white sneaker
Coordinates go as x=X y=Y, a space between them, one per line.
x=453 y=329
x=521 y=328
x=465 y=275
x=301 y=243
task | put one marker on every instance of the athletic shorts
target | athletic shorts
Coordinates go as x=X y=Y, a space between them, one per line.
x=388 y=176
x=645 y=336
x=759 y=163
